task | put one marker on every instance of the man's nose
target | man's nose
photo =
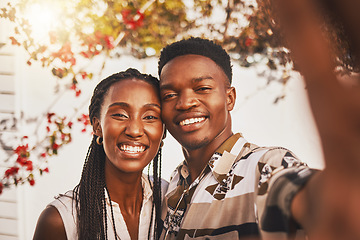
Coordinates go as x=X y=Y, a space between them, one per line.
x=186 y=100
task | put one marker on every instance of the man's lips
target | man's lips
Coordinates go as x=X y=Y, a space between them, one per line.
x=191 y=124
x=189 y=121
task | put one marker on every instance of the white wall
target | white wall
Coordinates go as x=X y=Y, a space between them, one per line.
x=288 y=123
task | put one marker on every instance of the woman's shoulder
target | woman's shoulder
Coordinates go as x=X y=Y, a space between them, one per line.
x=63 y=200
x=50 y=225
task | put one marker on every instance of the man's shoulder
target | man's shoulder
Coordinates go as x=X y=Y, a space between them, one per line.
x=267 y=154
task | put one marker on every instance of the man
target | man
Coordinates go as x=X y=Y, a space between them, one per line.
x=221 y=190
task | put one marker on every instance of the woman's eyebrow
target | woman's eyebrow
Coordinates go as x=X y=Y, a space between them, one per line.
x=124 y=104
x=121 y=104
x=152 y=105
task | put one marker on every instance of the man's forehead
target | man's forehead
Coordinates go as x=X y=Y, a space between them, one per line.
x=196 y=74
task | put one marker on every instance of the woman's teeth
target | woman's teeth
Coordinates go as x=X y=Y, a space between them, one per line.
x=133 y=149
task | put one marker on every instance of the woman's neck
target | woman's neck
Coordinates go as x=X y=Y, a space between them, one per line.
x=126 y=190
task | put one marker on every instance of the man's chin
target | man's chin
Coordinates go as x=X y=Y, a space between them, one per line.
x=193 y=144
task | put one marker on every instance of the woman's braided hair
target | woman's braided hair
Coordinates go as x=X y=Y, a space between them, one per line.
x=89 y=194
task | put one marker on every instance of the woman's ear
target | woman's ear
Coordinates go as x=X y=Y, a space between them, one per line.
x=96 y=127
x=230 y=98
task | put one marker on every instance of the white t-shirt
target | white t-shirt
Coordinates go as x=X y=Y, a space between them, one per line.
x=66 y=207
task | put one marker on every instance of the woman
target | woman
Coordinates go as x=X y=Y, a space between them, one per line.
x=125 y=116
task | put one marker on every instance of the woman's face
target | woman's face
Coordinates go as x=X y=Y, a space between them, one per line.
x=130 y=124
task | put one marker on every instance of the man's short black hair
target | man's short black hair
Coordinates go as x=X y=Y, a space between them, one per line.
x=197 y=46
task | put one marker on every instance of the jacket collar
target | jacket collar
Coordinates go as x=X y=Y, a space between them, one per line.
x=223 y=158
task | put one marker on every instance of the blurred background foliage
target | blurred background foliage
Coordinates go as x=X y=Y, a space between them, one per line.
x=59 y=33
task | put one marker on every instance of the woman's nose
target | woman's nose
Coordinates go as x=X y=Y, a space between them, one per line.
x=134 y=128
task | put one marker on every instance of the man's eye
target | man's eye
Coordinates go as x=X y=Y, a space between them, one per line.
x=203 y=89
x=169 y=96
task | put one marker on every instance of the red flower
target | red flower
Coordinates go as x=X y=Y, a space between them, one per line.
x=109 y=40
x=43 y=155
x=55 y=146
x=70 y=124
x=77 y=92
x=248 y=42
x=65 y=54
x=47 y=128
x=21 y=160
x=32 y=182
x=11 y=171
x=29 y=166
x=85 y=54
x=72 y=61
x=49 y=116
x=14 y=41
x=83 y=75
x=22 y=151
x=46 y=170
x=1 y=187
x=132 y=22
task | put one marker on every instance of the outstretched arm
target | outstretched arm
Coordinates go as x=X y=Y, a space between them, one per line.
x=50 y=226
x=328 y=206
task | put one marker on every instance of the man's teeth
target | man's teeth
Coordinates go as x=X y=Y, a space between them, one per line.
x=133 y=149
x=191 y=121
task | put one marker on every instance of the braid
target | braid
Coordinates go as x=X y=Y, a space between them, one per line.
x=156 y=203
x=157 y=194
x=89 y=194
x=153 y=204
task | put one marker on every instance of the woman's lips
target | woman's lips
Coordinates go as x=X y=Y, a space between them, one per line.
x=128 y=148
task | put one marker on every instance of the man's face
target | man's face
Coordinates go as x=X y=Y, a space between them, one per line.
x=196 y=100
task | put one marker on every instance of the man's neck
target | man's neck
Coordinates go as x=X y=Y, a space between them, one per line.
x=197 y=159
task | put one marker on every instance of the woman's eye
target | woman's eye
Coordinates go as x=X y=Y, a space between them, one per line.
x=150 y=117
x=119 y=115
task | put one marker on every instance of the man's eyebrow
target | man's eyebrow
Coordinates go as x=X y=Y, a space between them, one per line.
x=202 y=78
x=194 y=80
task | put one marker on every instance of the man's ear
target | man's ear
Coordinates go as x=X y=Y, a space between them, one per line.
x=97 y=127
x=230 y=98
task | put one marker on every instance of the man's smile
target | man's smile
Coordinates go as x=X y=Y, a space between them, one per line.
x=189 y=121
